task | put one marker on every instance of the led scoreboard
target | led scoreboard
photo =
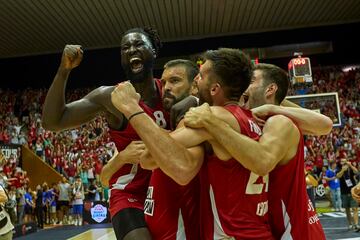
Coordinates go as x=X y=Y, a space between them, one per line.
x=300 y=70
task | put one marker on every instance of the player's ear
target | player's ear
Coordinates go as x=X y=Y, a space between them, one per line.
x=271 y=90
x=215 y=88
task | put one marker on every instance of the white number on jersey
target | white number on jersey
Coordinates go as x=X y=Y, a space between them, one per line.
x=149 y=203
x=160 y=119
x=253 y=187
x=262 y=208
x=254 y=128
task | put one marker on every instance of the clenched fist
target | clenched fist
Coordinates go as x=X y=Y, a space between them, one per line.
x=72 y=56
x=125 y=98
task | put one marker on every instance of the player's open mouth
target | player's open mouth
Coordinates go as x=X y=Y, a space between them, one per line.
x=136 y=64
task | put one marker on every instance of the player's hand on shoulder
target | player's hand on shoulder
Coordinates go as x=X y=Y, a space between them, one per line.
x=196 y=117
x=261 y=113
x=72 y=56
x=179 y=109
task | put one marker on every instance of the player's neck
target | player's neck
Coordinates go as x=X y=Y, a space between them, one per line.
x=231 y=103
x=147 y=90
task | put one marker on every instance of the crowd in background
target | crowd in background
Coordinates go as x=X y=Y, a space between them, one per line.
x=79 y=152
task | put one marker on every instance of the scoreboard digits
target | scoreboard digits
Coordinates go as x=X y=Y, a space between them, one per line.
x=300 y=70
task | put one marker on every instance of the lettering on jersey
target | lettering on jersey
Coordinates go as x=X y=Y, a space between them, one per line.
x=254 y=128
x=310 y=206
x=314 y=219
x=149 y=202
x=262 y=208
x=160 y=119
x=256 y=184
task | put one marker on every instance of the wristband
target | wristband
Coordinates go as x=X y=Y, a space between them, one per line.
x=133 y=115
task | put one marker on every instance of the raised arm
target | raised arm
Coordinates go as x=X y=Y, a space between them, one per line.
x=57 y=115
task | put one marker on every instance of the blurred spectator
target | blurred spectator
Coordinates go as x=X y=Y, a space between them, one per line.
x=311 y=183
x=91 y=193
x=29 y=206
x=39 y=205
x=334 y=185
x=78 y=193
x=64 y=200
x=52 y=203
x=347 y=181
x=21 y=204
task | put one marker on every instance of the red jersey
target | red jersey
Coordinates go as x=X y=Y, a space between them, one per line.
x=129 y=184
x=172 y=211
x=238 y=198
x=291 y=213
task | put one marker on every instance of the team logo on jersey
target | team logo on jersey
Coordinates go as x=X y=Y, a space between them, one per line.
x=149 y=202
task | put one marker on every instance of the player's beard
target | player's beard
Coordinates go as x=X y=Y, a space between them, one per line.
x=204 y=96
x=256 y=98
x=137 y=77
x=170 y=100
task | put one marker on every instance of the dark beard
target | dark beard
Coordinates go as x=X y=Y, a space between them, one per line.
x=167 y=104
x=204 y=97
x=141 y=76
x=174 y=100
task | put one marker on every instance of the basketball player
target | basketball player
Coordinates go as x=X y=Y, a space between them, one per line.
x=171 y=210
x=226 y=213
x=278 y=152
x=139 y=48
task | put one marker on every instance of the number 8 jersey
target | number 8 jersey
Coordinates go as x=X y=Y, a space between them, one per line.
x=234 y=201
x=129 y=184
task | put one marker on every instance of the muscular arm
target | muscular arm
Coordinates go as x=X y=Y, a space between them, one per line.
x=57 y=115
x=260 y=157
x=310 y=122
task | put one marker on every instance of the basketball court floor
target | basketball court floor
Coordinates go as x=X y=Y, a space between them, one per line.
x=334 y=224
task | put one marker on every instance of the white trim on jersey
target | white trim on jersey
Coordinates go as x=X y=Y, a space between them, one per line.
x=124 y=180
x=180 y=235
x=218 y=230
x=287 y=233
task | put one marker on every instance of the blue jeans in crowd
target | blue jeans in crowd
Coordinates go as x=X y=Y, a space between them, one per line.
x=336 y=198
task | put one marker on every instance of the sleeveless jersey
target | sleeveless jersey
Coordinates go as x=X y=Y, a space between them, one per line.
x=291 y=213
x=238 y=197
x=129 y=184
x=172 y=211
